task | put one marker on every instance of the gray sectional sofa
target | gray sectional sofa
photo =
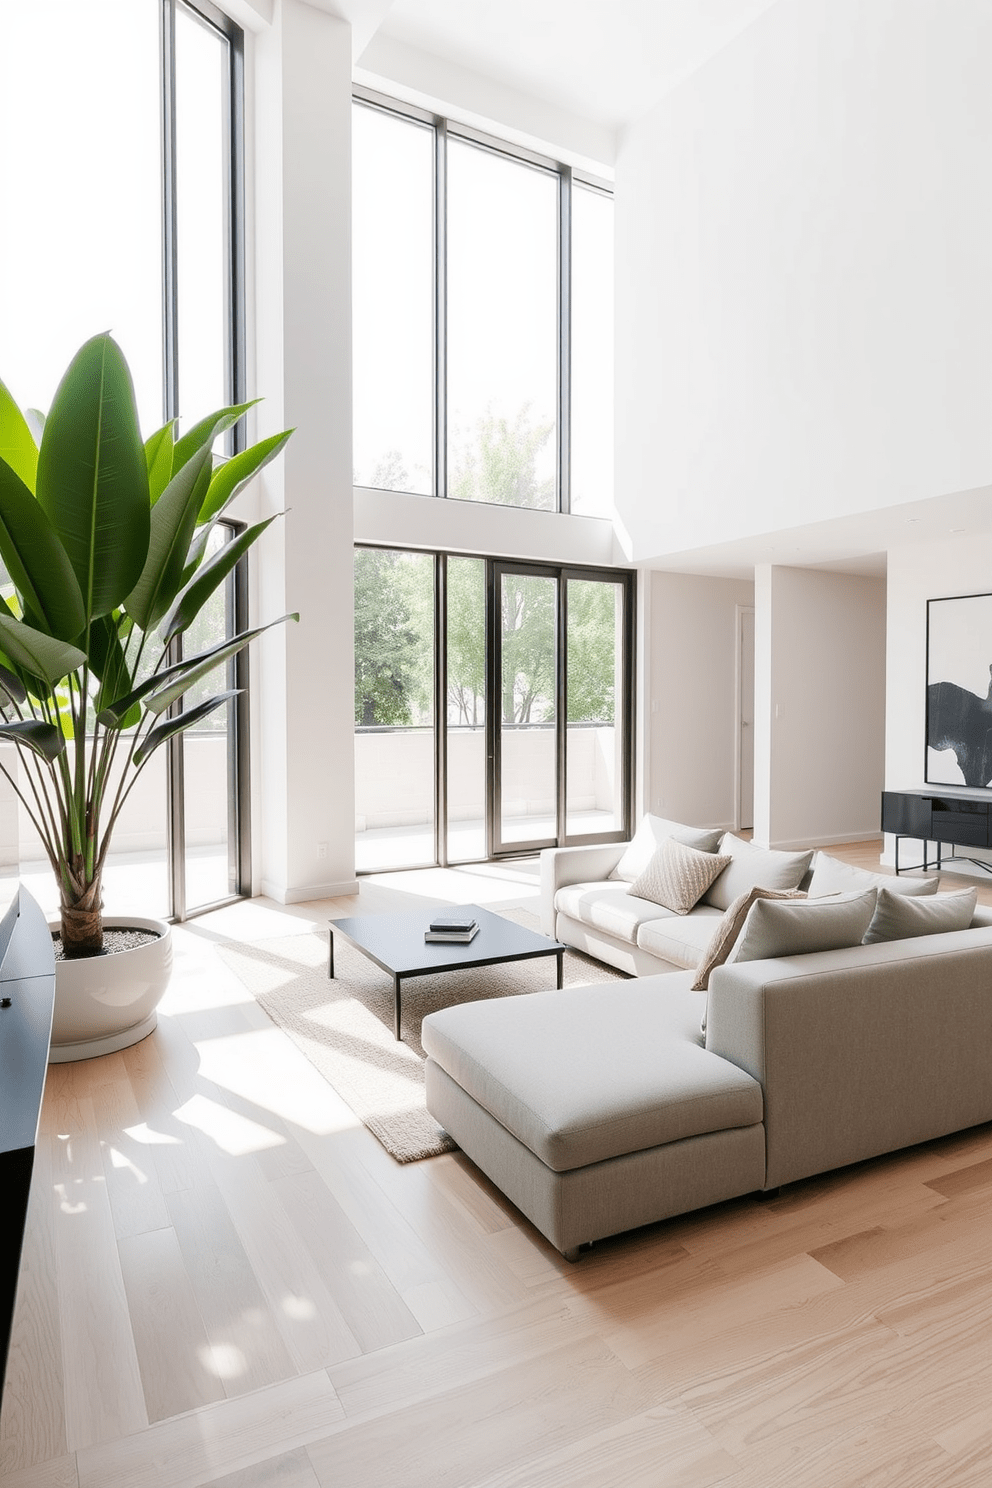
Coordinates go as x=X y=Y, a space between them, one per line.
x=601 y=1108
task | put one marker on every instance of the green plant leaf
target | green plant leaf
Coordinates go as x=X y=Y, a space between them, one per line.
x=206 y=431
x=199 y=666
x=108 y=661
x=17 y=446
x=235 y=473
x=201 y=663
x=39 y=737
x=209 y=578
x=180 y=724
x=173 y=520
x=41 y=655
x=92 y=476
x=12 y=686
x=37 y=562
x=158 y=457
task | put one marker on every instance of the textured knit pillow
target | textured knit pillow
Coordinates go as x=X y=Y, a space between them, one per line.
x=678 y=876
x=727 y=931
x=899 y=918
x=755 y=867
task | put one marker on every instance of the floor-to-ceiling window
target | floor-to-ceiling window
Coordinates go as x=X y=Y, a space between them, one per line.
x=492 y=706
x=483 y=305
x=122 y=123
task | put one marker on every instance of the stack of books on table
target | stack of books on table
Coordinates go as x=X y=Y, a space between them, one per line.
x=456 y=929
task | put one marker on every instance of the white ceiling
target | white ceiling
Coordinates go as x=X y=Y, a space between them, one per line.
x=608 y=61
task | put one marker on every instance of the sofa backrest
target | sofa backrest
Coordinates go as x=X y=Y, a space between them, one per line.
x=860 y=1051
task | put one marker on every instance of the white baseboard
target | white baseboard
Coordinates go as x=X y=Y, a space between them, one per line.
x=303 y=895
x=800 y=844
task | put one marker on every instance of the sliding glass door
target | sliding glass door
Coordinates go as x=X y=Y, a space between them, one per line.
x=493 y=707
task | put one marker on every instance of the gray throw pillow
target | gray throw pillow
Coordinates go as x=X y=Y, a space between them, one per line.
x=755 y=867
x=651 y=832
x=899 y=918
x=677 y=876
x=832 y=876
x=782 y=927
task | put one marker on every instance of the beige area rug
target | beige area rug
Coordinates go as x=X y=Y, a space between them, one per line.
x=345 y=1026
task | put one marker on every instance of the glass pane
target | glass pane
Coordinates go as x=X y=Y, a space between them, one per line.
x=502 y=329
x=594 y=684
x=394 y=709
x=201 y=217
x=592 y=353
x=466 y=710
x=208 y=758
x=81 y=252
x=393 y=302
x=527 y=725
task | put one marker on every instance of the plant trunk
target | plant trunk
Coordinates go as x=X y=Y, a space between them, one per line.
x=82 y=922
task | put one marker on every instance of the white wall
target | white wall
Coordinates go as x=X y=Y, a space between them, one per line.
x=689 y=719
x=804 y=308
x=302 y=334
x=819 y=730
x=960 y=565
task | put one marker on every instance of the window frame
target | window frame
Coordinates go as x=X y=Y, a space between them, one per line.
x=239 y=807
x=493 y=567
x=445 y=129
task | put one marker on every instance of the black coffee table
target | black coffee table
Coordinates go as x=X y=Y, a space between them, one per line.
x=395 y=942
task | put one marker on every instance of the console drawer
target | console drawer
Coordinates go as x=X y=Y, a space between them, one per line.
x=969 y=828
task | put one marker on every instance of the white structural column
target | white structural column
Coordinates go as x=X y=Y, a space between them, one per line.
x=304 y=779
x=819 y=732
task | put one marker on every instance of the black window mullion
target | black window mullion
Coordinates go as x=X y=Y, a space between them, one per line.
x=440 y=308
x=170 y=252
x=440 y=710
x=564 y=339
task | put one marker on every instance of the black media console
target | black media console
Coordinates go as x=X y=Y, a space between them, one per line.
x=942 y=817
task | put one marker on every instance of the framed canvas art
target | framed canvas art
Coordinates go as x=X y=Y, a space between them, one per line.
x=959 y=691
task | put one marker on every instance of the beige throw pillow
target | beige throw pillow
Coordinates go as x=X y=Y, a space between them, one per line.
x=755 y=867
x=677 y=876
x=899 y=918
x=726 y=933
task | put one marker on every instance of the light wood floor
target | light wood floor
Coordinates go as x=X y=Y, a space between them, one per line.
x=226 y=1280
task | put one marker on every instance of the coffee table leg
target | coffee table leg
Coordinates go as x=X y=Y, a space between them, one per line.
x=560 y=955
x=330 y=954
x=396 y=1005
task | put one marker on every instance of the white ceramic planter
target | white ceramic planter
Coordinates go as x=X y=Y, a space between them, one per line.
x=105 y=1003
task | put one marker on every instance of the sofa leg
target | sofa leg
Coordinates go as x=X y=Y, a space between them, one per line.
x=764 y=1194
x=577 y=1251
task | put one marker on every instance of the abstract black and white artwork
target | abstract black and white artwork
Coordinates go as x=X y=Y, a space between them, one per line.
x=959 y=690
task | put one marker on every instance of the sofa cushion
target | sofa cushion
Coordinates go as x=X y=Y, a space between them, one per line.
x=899 y=918
x=832 y=876
x=593 y=1073
x=678 y=876
x=653 y=830
x=725 y=935
x=610 y=907
x=681 y=939
x=783 y=927
x=752 y=867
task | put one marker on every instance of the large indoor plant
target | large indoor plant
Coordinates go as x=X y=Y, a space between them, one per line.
x=105 y=539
